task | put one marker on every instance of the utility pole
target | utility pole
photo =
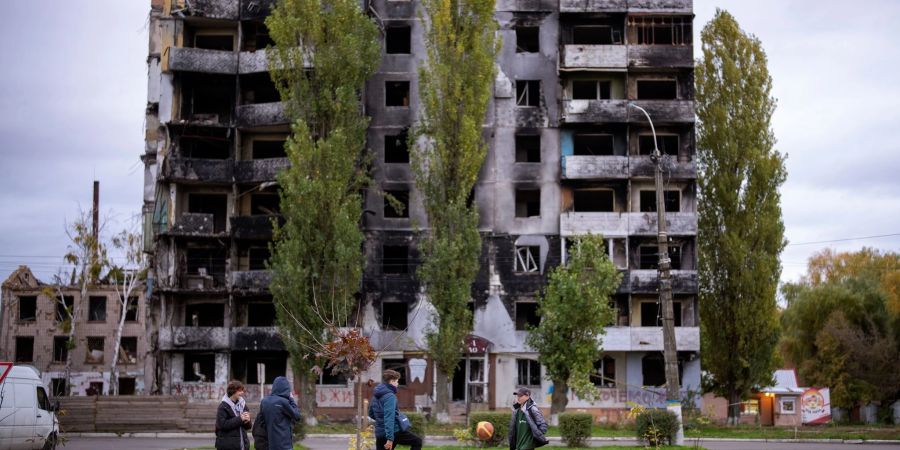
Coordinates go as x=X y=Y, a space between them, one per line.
x=670 y=355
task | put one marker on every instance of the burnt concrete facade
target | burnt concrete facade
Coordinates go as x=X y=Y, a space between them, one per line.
x=567 y=157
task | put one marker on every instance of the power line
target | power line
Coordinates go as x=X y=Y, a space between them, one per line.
x=846 y=239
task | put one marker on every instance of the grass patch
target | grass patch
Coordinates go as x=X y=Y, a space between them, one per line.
x=611 y=447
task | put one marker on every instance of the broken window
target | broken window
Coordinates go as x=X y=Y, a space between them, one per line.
x=395 y=259
x=203 y=146
x=128 y=350
x=261 y=314
x=668 y=144
x=675 y=256
x=528 y=92
x=94 y=354
x=528 y=202
x=268 y=149
x=528 y=148
x=399 y=211
x=527 y=315
x=258 y=88
x=596 y=35
x=265 y=203
x=24 y=349
x=396 y=148
x=244 y=366
x=649 y=257
x=131 y=315
x=593 y=144
x=397 y=40
x=661 y=30
x=215 y=204
x=207 y=98
x=60 y=348
x=57 y=387
x=604 y=374
x=64 y=307
x=528 y=39
x=651 y=314
x=127 y=386
x=653 y=369
x=657 y=90
x=672 y=200
x=395 y=364
x=529 y=372
x=28 y=308
x=258 y=257
x=591 y=89
x=96 y=309
x=594 y=200
x=394 y=315
x=255 y=35
x=199 y=367
x=204 y=315
x=223 y=42
x=396 y=93
x=527 y=258
x=327 y=378
x=206 y=261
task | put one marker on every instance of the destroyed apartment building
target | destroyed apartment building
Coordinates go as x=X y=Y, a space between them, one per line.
x=567 y=157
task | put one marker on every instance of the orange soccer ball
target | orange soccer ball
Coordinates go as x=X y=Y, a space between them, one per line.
x=484 y=430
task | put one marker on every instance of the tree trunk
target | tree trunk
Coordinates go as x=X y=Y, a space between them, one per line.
x=558 y=400
x=359 y=413
x=113 y=388
x=734 y=407
x=306 y=385
x=442 y=398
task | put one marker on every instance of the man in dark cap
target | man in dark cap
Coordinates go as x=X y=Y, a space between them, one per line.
x=527 y=425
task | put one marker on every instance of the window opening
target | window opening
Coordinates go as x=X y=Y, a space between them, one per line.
x=28 y=308
x=528 y=148
x=527 y=258
x=651 y=314
x=401 y=196
x=261 y=314
x=528 y=203
x=199 y=367
x=662 y=30
x=394 y=315
x=96 y=309
x=24 y=349
x=668 y=144
x=396 y=148
x=269 y=149
x=395 y=259
x=672 y=199
x=128 y=350
x=396 y=93
x=596 y=35
x=657 y=90
x=396 y=364
x=127 y=386
x=94 y=354
x=528 y=92
x=244 y=366
x=529 y=372
x=224 y=42
x=593 y=144
x=594 y=200
x=60 y=348
x=215 y=204
x=64 y=307
x=204 y=315
x=397 y=40
x=527 y=315
x=604 y=374
x=131 y=315
x=528 y=39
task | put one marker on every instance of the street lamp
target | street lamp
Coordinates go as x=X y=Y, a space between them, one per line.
x=673 y=392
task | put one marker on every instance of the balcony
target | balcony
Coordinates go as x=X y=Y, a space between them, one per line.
x=209 y=9
x=186 y=59
x=259 y=170
x=195 y=224
x=256 y=339
x=594 y=57
x=189 y=170
x=254 y=62
x=581 y=167
x=627 y=339
x=257 y=227
x=661 y=6
x=579 y=6
x=590 y=111
x=641 y=166
x=613 y=224
x=661 y=56
x=251 y=280
x=193 y=338
x=647 y=282
x=663 y=111
x=261 y=114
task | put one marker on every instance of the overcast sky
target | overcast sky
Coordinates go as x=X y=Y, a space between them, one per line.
x=73 y=93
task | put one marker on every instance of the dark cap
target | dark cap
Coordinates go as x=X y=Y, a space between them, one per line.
x=523 y=391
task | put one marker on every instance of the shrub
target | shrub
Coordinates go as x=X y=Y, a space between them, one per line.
x=500 y=421
x=575 y=428
x=418 y=424
x=657 y=426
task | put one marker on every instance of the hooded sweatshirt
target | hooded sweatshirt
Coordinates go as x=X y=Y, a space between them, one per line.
x=280 y=412
x=384 y=410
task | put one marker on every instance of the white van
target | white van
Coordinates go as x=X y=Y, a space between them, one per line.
x=27 y=417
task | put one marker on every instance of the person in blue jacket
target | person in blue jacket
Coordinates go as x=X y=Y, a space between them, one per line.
x=280 y=412
x=384 y=410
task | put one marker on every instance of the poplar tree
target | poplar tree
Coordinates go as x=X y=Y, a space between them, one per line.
x=741 y=232
x=324 y=52
x=455 y=86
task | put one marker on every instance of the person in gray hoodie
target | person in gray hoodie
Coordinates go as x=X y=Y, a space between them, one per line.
x=280 y=412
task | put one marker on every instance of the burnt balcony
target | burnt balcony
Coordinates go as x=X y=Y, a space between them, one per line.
x=627 y=339
x=259 y=170
x=208 y=9
x=587 y=6
x=661 y=56
x=261 y=114
x=663 y=111
x=614 y=224
x=256 y=339
x=661 y=6
x=258 y=227
x=193 y=338
x=584 y=167
x=647 y=282
x=594 y=57
x=197 y=224
x=191 y=170
x=251 y=280
x=187 y=59
x=590 y=111
x=641 y=166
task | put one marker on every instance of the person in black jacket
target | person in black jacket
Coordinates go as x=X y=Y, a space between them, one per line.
x=280 y=412
x=233 y=419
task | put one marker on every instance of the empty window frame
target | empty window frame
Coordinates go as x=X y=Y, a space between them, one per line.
x=397 y=40
x=27 y=308
x=591 y=89
x=209 y=260
x=672 y=199
x=396 y=148
x=204 y=315
x=594 y=200
x=649 y=257
x=528 y=93
x=127 y=386
x=529 y=372
x=215 y=204
x=258 y=88
x=257 y=257
x=398 y=365
x=94 y=353
x=265 y=204
x=651 y=314
x=96 y=309
x=60 y=348
x=604 y=373
x=57 y=387
x=394 y=316
x=528 y=148
x=528 y=39
x=528 y=202
x=593 y=144
x=24 y=349
x=128 y=350
x=264 y=149
x=244 y=366
x=657 y=89
x=395 y=259
x=661 y=30
x=131 y=315
x=528 y=258
x=653 y=369
x=261 y=314
x=527 y=315
x=219 y=41
x=396 y=93
x=204 y=147
x=199 y=367
x=397 y=210
x=668 y=144
x=207 y=98
x=64 y=307
x=596 y=35
x=327 y=378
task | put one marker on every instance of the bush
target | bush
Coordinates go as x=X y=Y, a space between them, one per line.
x=656 y=426
x=575 y=428
x=500 y=421
x=418 y=424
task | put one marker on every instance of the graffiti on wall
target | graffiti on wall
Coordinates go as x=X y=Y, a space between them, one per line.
x=334 y=396
x=199 y=391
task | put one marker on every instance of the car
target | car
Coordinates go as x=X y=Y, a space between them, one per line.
x=27 y=415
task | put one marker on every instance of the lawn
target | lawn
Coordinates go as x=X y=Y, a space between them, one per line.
x=610 y=447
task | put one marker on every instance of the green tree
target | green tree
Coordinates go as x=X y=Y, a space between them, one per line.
x=741 y=232
x=574 y=309
x=324 y=52
x=455 y=88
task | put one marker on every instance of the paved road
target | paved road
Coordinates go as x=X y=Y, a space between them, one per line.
x=141 y=443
